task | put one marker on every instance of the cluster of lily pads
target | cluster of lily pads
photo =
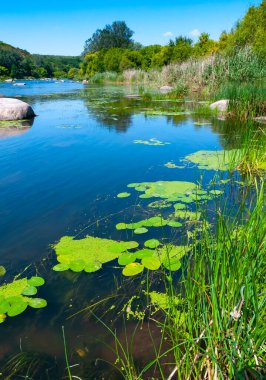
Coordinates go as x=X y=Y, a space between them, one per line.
x=215 y=159
x=90 y=253
x=16 y=296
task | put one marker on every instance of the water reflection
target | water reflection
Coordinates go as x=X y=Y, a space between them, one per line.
x=14 y=128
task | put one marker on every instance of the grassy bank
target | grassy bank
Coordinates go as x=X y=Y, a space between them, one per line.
x=240 y=77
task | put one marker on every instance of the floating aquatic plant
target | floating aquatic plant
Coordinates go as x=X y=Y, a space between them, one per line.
x=159 y=204
x=152 y=243
x=16 y=296
x=88 y=254
x=123 y=195
x=169 y=190
x=214 y=159
x=140 y=230
x=2 y=271
x=170 y=165
x=152 y=142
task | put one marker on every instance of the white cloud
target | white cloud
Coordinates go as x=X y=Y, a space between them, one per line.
x=168 y=34
x=195 y=33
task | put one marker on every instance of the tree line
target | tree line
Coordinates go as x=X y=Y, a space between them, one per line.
x=113 y=49
x=18 y=63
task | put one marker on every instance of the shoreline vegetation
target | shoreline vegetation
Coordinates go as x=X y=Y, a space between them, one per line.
x=206 y=296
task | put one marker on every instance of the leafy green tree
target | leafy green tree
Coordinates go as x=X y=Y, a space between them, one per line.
x=116 y=35
x=3 y=71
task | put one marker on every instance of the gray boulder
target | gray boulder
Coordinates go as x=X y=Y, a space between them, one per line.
x=15 y=109
x=220 y=105
x=166 y=89
x=85 y=81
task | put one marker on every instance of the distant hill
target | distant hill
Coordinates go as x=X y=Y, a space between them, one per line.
x=18 y=63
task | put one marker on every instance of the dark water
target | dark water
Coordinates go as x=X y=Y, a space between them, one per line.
x=59 y=177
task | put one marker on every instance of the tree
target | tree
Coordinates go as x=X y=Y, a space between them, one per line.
x=117 y=35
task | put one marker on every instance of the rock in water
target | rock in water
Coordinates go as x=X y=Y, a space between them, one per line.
x=15 y=109
x=221 y=105
x=166 y=89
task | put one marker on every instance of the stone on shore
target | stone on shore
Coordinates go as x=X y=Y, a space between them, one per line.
x=15 y=109
x=220 y=105
x=166 y=89
x=85 y=81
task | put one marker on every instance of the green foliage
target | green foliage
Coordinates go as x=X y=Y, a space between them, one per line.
x=215 y=160
x=116 y=35
x=88 y=254
x=18 y=63
x=15 y=297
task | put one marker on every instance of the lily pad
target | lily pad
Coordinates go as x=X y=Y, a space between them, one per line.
x=151 y=142
x=29 y=290
x=215 y=160
x=36 y=281
x=173 y=223
x=170 y=165
x=16 y=309
x=140 y=230
x=15 y=297
x=2 y=271
x=144 y=253
x=123 y=195
x=89 y=253
x=152 y=243
x=37 y=303
x=168 y=190
x=126 y=258
x=151 y=263
x=160 y=204
x=132 y=269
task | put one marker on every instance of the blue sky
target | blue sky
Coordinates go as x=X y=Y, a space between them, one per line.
x=62 y=26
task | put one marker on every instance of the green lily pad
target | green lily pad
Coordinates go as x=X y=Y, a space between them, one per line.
x=77 y=265
x=126 y=258
x=167 y=190
x=61 y=267
x=2 y=271
x=37 y=303
x=140 y=230
x=215 y=160
x=151 y=263
x=160 y=204
x=172 y=264
x=179 y=206
x=16 y=296
x=144 y=253
x=132 y=269
x=89 y=253
x=173 y=223
x=29 y=290
x=4 y=307
x=36 y=281
x=170 y=165
x=16 y=309
x=92 y=267
x=151 y=142
x=152 y=243
x=123 y=195
x=121 y=226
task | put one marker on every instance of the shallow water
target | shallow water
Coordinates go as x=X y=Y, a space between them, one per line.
x=61 y=177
